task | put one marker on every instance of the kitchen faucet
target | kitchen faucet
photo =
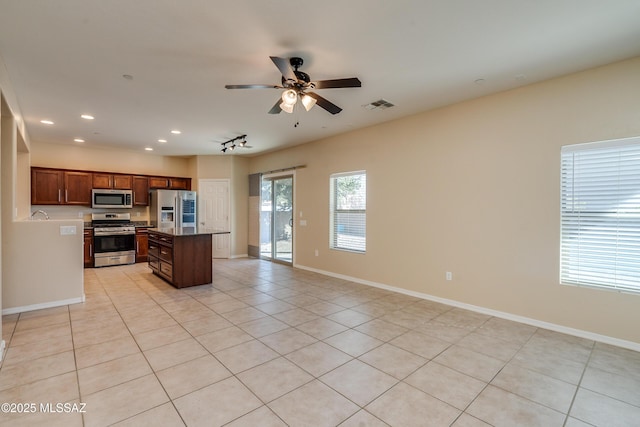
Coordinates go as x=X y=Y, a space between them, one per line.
x=40 y=211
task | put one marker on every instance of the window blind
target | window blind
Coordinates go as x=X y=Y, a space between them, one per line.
x=348 y=205
x=600 y=215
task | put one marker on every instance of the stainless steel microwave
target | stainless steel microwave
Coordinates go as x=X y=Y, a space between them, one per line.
x=111 y=198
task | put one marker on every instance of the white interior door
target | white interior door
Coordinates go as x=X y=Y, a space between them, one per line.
x=214 y=212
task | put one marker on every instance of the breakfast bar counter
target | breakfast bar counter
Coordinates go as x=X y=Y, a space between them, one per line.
x=182 y=256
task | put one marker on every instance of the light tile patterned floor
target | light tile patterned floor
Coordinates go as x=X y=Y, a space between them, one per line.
x=268 y=345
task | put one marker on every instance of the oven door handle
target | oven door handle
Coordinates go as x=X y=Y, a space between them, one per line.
x=115 y=233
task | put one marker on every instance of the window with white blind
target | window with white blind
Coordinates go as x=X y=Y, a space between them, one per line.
x=348 y=205
x=600 y=215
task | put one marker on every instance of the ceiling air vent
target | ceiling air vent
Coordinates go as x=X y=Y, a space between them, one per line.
x=381 y=104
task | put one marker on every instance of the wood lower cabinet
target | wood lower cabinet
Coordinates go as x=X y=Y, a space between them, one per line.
x=88 y=248
x=142 y=244
x=181 y=260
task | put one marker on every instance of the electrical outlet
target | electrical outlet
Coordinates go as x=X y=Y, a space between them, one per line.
x=317 y=253
x=449 y=275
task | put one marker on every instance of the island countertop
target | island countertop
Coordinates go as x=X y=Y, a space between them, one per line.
x=188 y=231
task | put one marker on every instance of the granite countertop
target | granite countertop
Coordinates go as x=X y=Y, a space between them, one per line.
x=189 y=231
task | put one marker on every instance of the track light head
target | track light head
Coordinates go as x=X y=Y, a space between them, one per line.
x=230 y=145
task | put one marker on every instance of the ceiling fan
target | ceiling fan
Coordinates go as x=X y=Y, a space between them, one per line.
x=298 y=85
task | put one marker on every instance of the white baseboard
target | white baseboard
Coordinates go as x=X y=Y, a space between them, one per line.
x=631 y=345
x=32 y=307
x=239 y=256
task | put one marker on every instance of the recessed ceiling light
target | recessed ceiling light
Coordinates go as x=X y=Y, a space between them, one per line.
x=162 y=141
x=87 y=117
x=46 y=122
x=148 y=148
x=79 y=140
x=176 y=132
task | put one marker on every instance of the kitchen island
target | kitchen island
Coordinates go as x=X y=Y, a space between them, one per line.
x=182 y=256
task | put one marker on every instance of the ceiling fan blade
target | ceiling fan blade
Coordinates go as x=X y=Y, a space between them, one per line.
x=276 y=108
x=324 y=103
x=337 y=83
x=252 y=87
x=284 y=67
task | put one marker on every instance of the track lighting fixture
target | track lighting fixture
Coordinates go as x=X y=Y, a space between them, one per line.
x=230 y=145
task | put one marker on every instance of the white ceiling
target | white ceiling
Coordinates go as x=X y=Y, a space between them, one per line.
x=65 y=58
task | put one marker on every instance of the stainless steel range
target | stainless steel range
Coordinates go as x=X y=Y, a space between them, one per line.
x=114 y=239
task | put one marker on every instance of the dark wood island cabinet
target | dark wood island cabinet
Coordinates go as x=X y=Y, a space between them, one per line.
x=182 y=256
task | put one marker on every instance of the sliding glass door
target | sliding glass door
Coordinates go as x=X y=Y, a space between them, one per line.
x=276 y=218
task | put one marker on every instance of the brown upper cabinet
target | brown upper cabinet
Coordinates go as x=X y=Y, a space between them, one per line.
x=169 y=183
x=158 y=182
x=58 y=187
x=140 y=191
x=180 y=183
x=69 y=187
x=112 y=181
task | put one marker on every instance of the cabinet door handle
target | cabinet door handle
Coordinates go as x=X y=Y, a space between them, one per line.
x=90 y=249
x=137 y=246
x=66 y=195
x=59 y=195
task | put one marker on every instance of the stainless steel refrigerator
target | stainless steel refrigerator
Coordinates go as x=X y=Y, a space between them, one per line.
x=173 y=208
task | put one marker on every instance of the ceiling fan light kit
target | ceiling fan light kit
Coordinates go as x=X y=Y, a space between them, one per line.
x=289 y=99
x=297 y=85
x=308 y=102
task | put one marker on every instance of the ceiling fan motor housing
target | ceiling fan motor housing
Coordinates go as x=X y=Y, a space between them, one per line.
x=296 y=62
x=298 y=85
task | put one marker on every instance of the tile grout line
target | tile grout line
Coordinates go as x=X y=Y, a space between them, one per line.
x=143 y=355
x=575 y=394
x=464 y=411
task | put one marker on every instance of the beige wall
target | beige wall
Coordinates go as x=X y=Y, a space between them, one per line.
x=85 y=157
x=41 y=267
x=473 y=189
